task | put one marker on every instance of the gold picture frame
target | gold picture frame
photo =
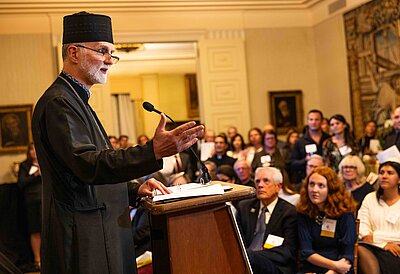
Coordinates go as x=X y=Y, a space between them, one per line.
x=192 y=96
x=15 y=130
x=286 y=110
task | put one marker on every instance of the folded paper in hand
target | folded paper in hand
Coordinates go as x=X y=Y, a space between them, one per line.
x=187 y=191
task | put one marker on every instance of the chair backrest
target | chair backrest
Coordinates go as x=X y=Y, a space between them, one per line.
x=355 y=264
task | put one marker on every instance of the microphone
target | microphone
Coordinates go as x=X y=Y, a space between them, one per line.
x=205 y=175
x=150 y=108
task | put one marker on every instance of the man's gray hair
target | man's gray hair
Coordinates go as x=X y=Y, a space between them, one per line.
x=64 y=51
x=317 y=156
x=277 y=176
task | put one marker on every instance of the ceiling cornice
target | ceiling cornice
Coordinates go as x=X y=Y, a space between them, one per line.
x=62 y=6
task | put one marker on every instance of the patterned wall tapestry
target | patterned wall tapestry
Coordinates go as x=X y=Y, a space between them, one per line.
x=373 y=51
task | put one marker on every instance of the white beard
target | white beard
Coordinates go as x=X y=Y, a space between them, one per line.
x=93 y=73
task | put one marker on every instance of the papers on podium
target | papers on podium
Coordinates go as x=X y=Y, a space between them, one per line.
x=188 y=190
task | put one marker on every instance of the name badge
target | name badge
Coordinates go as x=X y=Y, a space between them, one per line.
x=372 y=178
x=392 y=217
x=328 y=228
x=311 y=148
x=266 y=160
x=273 y=241
x=344 y=150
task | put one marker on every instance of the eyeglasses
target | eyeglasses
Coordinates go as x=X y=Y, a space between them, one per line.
x=103 y=52
x=349 y=167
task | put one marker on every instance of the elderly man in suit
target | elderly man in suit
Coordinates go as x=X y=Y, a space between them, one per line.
x=268 y=225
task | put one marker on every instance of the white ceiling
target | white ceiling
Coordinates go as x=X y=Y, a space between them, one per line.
x=162 y=58
x=157 y=57
x=40 y=6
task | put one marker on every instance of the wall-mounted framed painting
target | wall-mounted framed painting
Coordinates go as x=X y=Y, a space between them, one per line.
x=15 y=131
x=192 y=96
x=286 y=110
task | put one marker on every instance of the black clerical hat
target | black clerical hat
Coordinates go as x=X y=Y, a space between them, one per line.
x=87 y=27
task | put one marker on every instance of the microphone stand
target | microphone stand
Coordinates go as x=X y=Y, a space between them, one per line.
x=205 y=178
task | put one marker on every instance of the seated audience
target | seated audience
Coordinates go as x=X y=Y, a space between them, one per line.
x=230 y=133
x=268 y=226
x=326 y=223
x=340 y=144
x=178 y=179
x=369 y=134
x=114 y=141
x=392 y=138
x=325 y=126
x=30 y=182
x=244 y=172
x=270 y=155
x=142 y=139
x=212 y=169
x=380 y=224
x=209 y=136
x=291 y=138
x=177 y=163
x=279 y=143
x=225 y=173
x=124 y=142
x=288 y=192
x=254 y=146
x=313 y=162
x=352 y=172
x=313 y=135
x=206 y=145
x=221 y=147
x=237 y=146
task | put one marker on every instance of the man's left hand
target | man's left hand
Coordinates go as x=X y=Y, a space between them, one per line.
x=147 y=188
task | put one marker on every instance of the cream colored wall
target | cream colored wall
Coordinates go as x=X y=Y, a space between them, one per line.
x=173 y=97
x=123 y=84
x=27 y=70
x=333 y=82
x=166 y=92
x=277 y=60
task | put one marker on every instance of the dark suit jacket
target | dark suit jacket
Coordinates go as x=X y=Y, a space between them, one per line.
x=283 y=223
x=186 y=165
x=392 y=139
x=224 y=160
x=298 y=158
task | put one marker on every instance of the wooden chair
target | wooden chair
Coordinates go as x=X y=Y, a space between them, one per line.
x=355 y=264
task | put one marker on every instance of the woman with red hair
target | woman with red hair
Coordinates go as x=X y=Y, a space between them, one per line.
x=327 y=229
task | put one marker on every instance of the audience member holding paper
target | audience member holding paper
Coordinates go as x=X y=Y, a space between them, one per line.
x=340 y=144
x=270 y=155
x=368 y=143
x=326 y=223
x=302 y=152
x=268 y=225
x=379 y=251
x=30 y=182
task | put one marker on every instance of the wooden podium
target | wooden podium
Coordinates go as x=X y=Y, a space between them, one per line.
x=198 y=235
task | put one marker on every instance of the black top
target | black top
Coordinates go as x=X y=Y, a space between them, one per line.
x=222 y=160
x=31 y=185
x=298 y=158
x=340 y=246
x=85 y=192
x=360 y=193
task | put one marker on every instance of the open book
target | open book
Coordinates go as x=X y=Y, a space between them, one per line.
x=187 y=191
